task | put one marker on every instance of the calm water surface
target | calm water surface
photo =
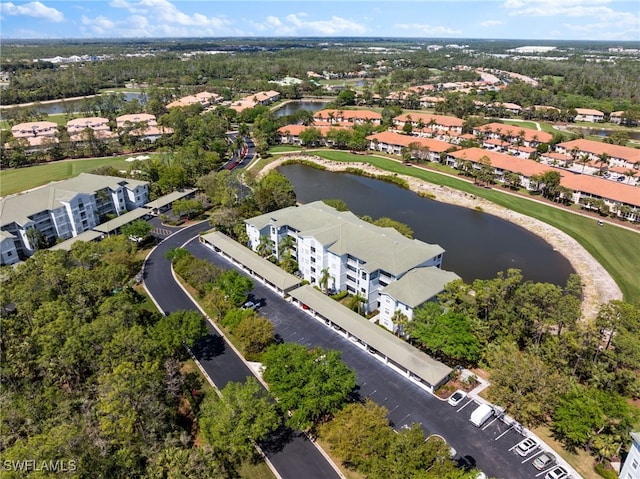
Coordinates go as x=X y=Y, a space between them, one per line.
x=477 y=245
x=297 y=105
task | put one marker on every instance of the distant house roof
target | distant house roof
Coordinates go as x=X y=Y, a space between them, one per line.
x=403 y=354
x=348 y=115
x=34 y=128
x=136 y=118
x=589 y=111
x=419 y=285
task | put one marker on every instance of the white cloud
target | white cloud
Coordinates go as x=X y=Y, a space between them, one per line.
x=418 y=29
x=606 y=30
x=299 y=24
x=491 y=23
x=32 y=9
x=167 y=14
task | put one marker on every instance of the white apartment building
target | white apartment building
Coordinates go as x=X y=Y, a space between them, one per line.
x=631 y=467
x=339 y=251
x=63 y=210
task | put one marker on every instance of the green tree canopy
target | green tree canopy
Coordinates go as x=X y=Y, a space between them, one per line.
x=243 y=414
x=310 y=383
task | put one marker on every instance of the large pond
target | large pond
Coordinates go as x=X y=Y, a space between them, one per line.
x=62 y=106
x=603 y=132
x=478 y=245
x=295 y=106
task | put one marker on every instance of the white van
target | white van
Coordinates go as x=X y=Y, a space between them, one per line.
x=481 y=414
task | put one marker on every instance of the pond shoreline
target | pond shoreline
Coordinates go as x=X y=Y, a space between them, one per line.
x=598 y=285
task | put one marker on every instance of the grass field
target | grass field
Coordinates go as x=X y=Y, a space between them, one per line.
x=19 y=179
x=616 y=249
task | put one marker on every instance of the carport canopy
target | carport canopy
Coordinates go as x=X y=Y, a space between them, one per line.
x=86 y=237
x=395 y=349
x=115 y=224
x=168 y=199
x=251 y=261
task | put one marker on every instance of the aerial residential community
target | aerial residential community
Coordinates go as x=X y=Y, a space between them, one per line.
x=267 y=240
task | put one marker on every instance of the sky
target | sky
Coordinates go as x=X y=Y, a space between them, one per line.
x=610 y=20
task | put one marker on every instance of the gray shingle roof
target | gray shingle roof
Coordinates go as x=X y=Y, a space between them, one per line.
x=343 y=232
x=400 y=352
x=18 y=208
x=419 y=285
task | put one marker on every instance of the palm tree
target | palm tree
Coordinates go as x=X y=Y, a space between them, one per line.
x=400 y=322
x=356 y=303
x=286 y=245
x=323 y=282
x=603 y=159
x=630 y=174
x=584 y=159
x=264 y=248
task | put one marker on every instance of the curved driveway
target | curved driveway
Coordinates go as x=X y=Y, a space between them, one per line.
x=291 y=453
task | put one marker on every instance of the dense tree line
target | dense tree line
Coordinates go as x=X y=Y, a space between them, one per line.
x=542 y=356
x=250 y=69
x=90 y=374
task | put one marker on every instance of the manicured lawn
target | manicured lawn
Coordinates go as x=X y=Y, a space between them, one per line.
x=521 y=124
x=19 y=179
x=581 y=461
x=616 y=249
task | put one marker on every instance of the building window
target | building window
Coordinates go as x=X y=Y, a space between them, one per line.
x=634 y=464
x=313 y=250
x=313 y=270
x=350 y=289
x=382 y=283
x=351 y=278
x=351 y=268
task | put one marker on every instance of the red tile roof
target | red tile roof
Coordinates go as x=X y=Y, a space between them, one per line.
x=505 y=162
x=611 y=190
x=631 y=155
x=349 y=114
x=450 y=121
x=608 y=189
x=529 y=133
x=391 y=138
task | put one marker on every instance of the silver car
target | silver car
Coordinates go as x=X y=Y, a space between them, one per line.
x=543 y=461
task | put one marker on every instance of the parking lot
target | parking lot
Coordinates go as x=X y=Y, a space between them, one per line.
x=490 y=447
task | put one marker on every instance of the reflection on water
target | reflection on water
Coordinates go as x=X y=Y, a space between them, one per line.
x=295 y=106
x=477 y=245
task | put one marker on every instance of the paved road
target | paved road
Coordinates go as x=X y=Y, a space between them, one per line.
x=407 y=403
x=292 y=454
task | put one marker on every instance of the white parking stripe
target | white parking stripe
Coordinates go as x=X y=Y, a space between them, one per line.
x=510 y=428
x=531 y=455
x=497 y=418
x=464 y=406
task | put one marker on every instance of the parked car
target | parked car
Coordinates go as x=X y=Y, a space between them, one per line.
x=557 y=472
x=525 y=446
x=543 y=461
x=250 y=305
x=457 y=397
